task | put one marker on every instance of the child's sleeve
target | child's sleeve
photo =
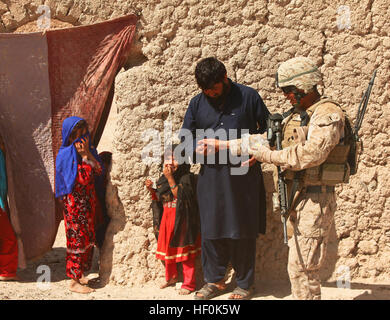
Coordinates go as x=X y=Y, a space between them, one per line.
x=154 y=196
x=96 y=167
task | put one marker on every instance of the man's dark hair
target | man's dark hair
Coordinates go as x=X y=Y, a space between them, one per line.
x=208 y=72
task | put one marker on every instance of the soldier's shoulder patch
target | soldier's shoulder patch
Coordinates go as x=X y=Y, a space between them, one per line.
x=335 y=117
x=327 y=119
x=327 y=114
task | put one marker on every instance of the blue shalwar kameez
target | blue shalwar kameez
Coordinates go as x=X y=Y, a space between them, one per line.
x=232 y=207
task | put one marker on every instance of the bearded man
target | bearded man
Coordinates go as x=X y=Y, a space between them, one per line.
x=231 y=205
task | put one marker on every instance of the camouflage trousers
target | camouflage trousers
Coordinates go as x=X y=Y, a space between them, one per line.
x=310 y=225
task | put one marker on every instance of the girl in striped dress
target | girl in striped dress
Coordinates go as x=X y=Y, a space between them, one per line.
x=179 y=228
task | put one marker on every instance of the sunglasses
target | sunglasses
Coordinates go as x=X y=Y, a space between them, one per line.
x=289 y=89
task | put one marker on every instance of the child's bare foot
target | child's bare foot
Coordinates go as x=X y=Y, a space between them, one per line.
x=79 y=288
x=168 y=283
x=14 y=278
x=84 y=280
x=184 y=291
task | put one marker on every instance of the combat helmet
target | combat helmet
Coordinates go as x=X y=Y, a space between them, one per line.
x=300 y=72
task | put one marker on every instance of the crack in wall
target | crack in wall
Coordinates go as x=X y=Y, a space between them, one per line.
x=7 y=3
x=268 y=13
x=70 y=8
x=371 y=3
x=7 y=11
x=323 y=50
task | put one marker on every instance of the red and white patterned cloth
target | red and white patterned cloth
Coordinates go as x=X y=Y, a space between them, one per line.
x=79 y=219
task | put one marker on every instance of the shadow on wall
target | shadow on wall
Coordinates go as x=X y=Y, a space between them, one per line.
x=136 y=57
x=117 y=223
x=271 y=255
x=115 y=208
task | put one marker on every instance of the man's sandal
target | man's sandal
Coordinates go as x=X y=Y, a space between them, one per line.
x=245 y=294
x=208 y=292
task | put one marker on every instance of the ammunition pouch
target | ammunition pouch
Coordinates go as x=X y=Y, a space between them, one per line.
x=327 y=173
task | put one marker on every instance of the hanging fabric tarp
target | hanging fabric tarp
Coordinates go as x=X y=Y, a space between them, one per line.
x=45 y=78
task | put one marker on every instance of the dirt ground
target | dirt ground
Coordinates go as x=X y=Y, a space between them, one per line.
x=30 y=288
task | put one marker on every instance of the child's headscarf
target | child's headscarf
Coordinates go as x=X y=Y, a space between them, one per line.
x=67 y=158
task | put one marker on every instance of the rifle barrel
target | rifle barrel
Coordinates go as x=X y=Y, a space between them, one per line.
x=363 y=104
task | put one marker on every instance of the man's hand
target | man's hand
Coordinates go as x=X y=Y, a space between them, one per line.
x=252 y=160
x=262 y=154
x=210 y=146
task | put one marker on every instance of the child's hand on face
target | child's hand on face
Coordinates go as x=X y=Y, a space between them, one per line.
x=83 y=147
x=79 y=148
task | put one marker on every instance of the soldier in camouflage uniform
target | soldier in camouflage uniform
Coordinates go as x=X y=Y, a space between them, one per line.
x=317 y=161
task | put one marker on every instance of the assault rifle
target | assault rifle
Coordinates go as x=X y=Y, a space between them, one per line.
x=274 y=136
x=352 y=157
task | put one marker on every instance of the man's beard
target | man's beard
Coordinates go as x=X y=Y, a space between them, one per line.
x=219 y=101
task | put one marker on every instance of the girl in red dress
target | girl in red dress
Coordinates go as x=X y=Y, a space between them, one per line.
x=8 y=241
x=76 y=164
x=178 y=234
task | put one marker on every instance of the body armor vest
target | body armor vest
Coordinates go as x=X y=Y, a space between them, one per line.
x=336 y=168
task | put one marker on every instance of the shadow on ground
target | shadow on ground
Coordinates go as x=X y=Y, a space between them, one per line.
x=52 y=266
x=373 y=291
x=272 y=289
